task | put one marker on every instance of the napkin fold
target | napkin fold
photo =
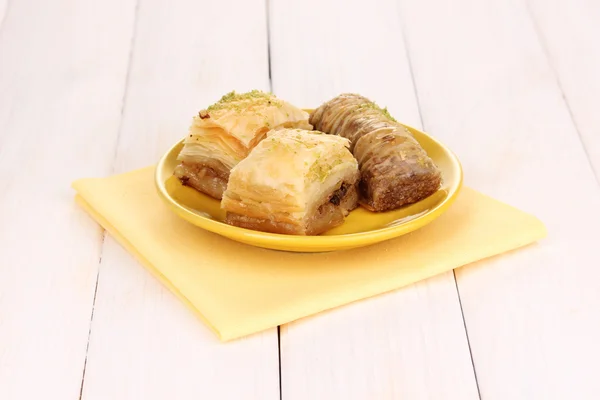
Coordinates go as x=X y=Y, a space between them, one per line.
x=237 y=289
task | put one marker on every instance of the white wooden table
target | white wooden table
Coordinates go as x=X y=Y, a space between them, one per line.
x=91 y=88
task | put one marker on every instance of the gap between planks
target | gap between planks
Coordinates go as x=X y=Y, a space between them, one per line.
x=87 y=346
x=103 y=243
x=542 y=42
x=417 y=99
x=267 y=11
x=126 y=88
x=267 y=20
x=462 y=314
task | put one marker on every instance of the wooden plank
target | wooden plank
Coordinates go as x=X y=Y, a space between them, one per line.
x=3 y=12
x=145 y=344
x=406 y=344
x=569 y=33
x=62 y=77
x=486 y=89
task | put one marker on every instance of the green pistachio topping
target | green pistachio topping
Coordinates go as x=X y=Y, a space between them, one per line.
x=373 y=106
x=233 y=97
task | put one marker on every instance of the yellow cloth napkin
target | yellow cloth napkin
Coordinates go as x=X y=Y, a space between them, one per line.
x=238 y=289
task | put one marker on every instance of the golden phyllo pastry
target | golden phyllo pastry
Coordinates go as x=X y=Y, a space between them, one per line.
x=293 y=182
x=395 y=169
x=223 y=135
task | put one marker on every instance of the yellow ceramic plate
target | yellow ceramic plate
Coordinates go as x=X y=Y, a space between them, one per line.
x=361 y=227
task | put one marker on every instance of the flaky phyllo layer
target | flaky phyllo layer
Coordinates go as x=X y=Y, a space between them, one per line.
x=224 y=133
x=294 y=181
x=395 y=169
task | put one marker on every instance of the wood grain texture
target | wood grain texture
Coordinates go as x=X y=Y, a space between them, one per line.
x=407 y=344
x=569 y=32
x=61 y=87
x=145 y=344
x=486 y=89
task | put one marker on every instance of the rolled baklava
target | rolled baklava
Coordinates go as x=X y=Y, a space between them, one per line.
x=223 y=134
x=395 y=169
x=295 y=182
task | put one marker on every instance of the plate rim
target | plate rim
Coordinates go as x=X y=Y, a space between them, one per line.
x=279 y=241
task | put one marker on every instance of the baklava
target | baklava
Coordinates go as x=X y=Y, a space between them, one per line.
x=295 y=182
x=223 y=134
x=395 y=169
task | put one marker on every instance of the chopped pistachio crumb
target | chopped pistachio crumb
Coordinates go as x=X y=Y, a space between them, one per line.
x=387 y=114
x=318 y=171
x=236 y=97
x=373 y=106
